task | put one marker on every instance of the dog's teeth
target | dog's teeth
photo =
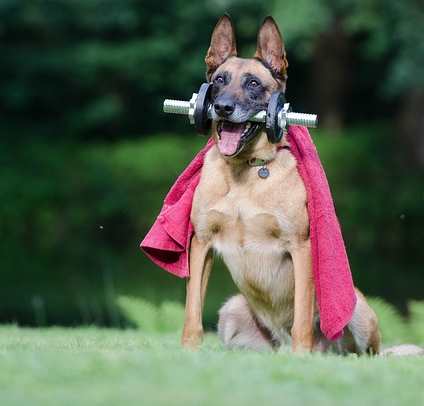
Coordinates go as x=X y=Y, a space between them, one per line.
x=219 y=128
x=246 y=128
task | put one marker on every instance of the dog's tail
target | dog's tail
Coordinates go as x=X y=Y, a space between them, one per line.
x=402 y=350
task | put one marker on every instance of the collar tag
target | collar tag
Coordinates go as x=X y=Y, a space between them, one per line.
x=263 y=172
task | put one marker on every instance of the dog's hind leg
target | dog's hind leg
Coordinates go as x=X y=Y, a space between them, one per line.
x=238 y=328
x=362 y=335
x=364 y=327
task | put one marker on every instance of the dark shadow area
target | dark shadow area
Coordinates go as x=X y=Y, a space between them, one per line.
x=73 y=215
x=87 y=154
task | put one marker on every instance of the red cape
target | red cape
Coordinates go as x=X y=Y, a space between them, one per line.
x=168 y=241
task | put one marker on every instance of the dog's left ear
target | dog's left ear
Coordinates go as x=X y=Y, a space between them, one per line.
x=223 y=45
x=270 y=48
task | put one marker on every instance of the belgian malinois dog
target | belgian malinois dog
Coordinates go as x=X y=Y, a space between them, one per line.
x=259 y=227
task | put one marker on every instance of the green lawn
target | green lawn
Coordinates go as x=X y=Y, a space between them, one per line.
x=91 y=366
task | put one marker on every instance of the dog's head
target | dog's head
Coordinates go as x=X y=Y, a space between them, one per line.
x=242 y=86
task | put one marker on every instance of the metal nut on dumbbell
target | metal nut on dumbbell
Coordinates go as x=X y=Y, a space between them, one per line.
x=277 y=117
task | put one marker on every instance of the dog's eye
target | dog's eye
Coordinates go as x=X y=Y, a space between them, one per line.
x=253 y=83
x=219 y=80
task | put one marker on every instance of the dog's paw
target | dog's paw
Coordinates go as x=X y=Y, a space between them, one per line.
x=192 y=339
x=403 y=350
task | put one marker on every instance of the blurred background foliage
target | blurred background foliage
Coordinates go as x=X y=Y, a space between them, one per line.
x=87 y=155
x=169 y=317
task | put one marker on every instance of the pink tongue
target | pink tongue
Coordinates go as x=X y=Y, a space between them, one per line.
x=229 y=138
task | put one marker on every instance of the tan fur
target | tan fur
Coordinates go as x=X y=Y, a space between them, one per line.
x=238 y=328
x=260 y=227
x=237 y=66
x=223 y=45
x=270 y=47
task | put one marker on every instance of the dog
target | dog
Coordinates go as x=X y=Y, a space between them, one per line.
x=260 y=228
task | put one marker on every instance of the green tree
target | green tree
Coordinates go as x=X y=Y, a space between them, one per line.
x=90 y=67
x=386 y=33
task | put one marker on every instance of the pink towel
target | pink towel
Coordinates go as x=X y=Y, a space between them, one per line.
x=168 y=241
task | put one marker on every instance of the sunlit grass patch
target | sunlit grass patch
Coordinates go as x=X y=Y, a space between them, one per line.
x=168 y=316
x=91 y=366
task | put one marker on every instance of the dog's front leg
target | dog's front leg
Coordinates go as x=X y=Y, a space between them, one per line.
x=200 y=267
x=304 y=298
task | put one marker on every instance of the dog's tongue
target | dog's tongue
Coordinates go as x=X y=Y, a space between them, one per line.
x=230 y=137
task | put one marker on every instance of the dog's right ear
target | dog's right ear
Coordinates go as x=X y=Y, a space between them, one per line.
x=223 y=45
x=270 y=48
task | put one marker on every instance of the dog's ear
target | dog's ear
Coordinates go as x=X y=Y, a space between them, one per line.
x=223 y=45
x=270 y=48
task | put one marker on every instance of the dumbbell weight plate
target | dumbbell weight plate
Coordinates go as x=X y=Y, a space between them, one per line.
x=273 y=130
x=201 y=121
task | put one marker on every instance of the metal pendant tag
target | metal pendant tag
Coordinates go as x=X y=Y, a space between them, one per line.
x=263 y=173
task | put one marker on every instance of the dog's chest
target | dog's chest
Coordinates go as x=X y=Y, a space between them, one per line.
x=247 y=212
x=239 y=221
x=252 y=224
x=252 y=240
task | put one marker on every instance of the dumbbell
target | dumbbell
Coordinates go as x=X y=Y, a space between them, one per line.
x=277 y=117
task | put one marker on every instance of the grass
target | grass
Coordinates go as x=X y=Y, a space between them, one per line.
x=91 y=366
x=147 y=366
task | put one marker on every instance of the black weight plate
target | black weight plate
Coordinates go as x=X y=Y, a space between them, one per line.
x=273 y=130
x=201 y=121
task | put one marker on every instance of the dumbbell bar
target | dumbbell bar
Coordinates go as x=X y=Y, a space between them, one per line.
x=285 y=117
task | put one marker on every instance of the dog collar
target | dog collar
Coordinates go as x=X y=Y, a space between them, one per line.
x=258 y=162
x=263 y=171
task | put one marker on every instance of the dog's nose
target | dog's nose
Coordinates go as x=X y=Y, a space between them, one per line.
x=224 y=108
